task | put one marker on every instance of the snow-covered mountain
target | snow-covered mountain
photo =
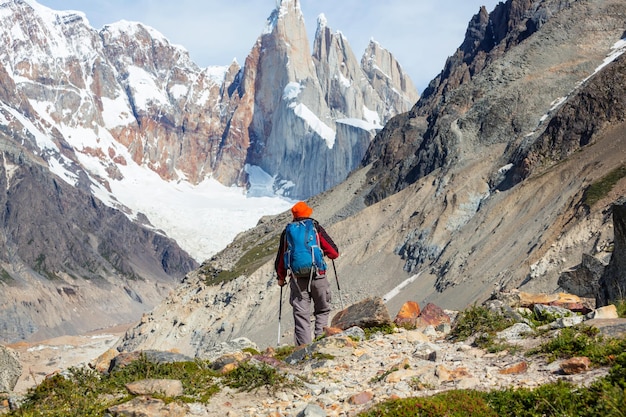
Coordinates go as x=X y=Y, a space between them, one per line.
x=125 y=120
x=145 y=125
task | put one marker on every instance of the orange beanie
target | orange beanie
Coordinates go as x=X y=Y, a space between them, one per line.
x=301 y=209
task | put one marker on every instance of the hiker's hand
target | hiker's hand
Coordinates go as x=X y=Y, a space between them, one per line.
x=281 y=282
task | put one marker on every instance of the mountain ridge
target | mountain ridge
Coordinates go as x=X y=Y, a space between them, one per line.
x=425 y=212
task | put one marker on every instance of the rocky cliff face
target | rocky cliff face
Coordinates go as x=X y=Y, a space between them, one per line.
x=311 y=120
x=183 y=122
x=613 y=281
x=433 y=216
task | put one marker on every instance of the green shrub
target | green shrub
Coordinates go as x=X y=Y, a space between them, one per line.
x=455 y=403
x=478 y=319
x=85 y=392
x=555 y=399
x=77 y=394
x=251 y=260
x=599 y=189
x=250 y=376
x=581 y=340
x=620 y=305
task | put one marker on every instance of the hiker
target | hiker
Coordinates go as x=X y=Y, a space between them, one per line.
x=305 y=267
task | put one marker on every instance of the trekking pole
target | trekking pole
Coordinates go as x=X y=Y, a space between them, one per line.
x=280 y=313
x=337 y=279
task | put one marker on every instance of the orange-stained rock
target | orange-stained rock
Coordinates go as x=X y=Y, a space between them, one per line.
x=432 y=315
x=408 y=314
x=576 y=365
x=361 y=398
x=331 y=331
x=518 y=368
x=103 y=362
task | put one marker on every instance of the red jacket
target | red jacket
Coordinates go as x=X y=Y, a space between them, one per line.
x=326 y=244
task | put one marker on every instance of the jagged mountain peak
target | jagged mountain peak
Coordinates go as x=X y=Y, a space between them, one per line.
x=36 y=32
x=286 y=10
x=322 y=22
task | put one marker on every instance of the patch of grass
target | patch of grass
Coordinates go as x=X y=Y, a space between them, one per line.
x=478 y=319
x=582 y=340
x=387 y=329
x=555 y=399
x=5 y=276
x=455 y=403
x=417 y=384
x=199 y=380
x=251 y=351
x=251 y=260
x=323 y=356
x=79 y=394
x=282 y=352
x=84 y=392
x=605 y=397
x=250 y=376
x=383 y=375
x=598 y=190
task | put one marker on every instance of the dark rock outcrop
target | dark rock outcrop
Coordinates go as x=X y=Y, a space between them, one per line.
x=613 y=282
x=370 y=312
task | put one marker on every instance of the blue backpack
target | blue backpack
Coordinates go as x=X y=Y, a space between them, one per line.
x=303 y=256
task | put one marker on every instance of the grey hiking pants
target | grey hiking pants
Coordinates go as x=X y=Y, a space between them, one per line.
x=300 y=299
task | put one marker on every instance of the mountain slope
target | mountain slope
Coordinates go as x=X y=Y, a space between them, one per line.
x=65 y=265
x=433 y=216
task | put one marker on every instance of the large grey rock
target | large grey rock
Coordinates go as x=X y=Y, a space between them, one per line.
x=10 y=369
x=584 y=279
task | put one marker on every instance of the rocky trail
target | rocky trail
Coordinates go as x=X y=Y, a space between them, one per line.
x=346 y=373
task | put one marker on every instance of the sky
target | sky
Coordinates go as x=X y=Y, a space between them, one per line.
x=421 y=34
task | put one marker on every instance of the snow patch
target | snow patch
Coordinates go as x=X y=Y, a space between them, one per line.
x=144 y=88
x=319 y=127
x=217 y=73
x=292 y=91
x=358 y=123
x=400 y=287
x=505 y=169
x=116 y=112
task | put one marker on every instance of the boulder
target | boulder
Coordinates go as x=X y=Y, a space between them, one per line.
x=606 y=312
x=166 y=387
x=576 y=365
x=583 y=279
x=146 y=406
x=408 y=314
x=371 y=312
x=433 y=315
